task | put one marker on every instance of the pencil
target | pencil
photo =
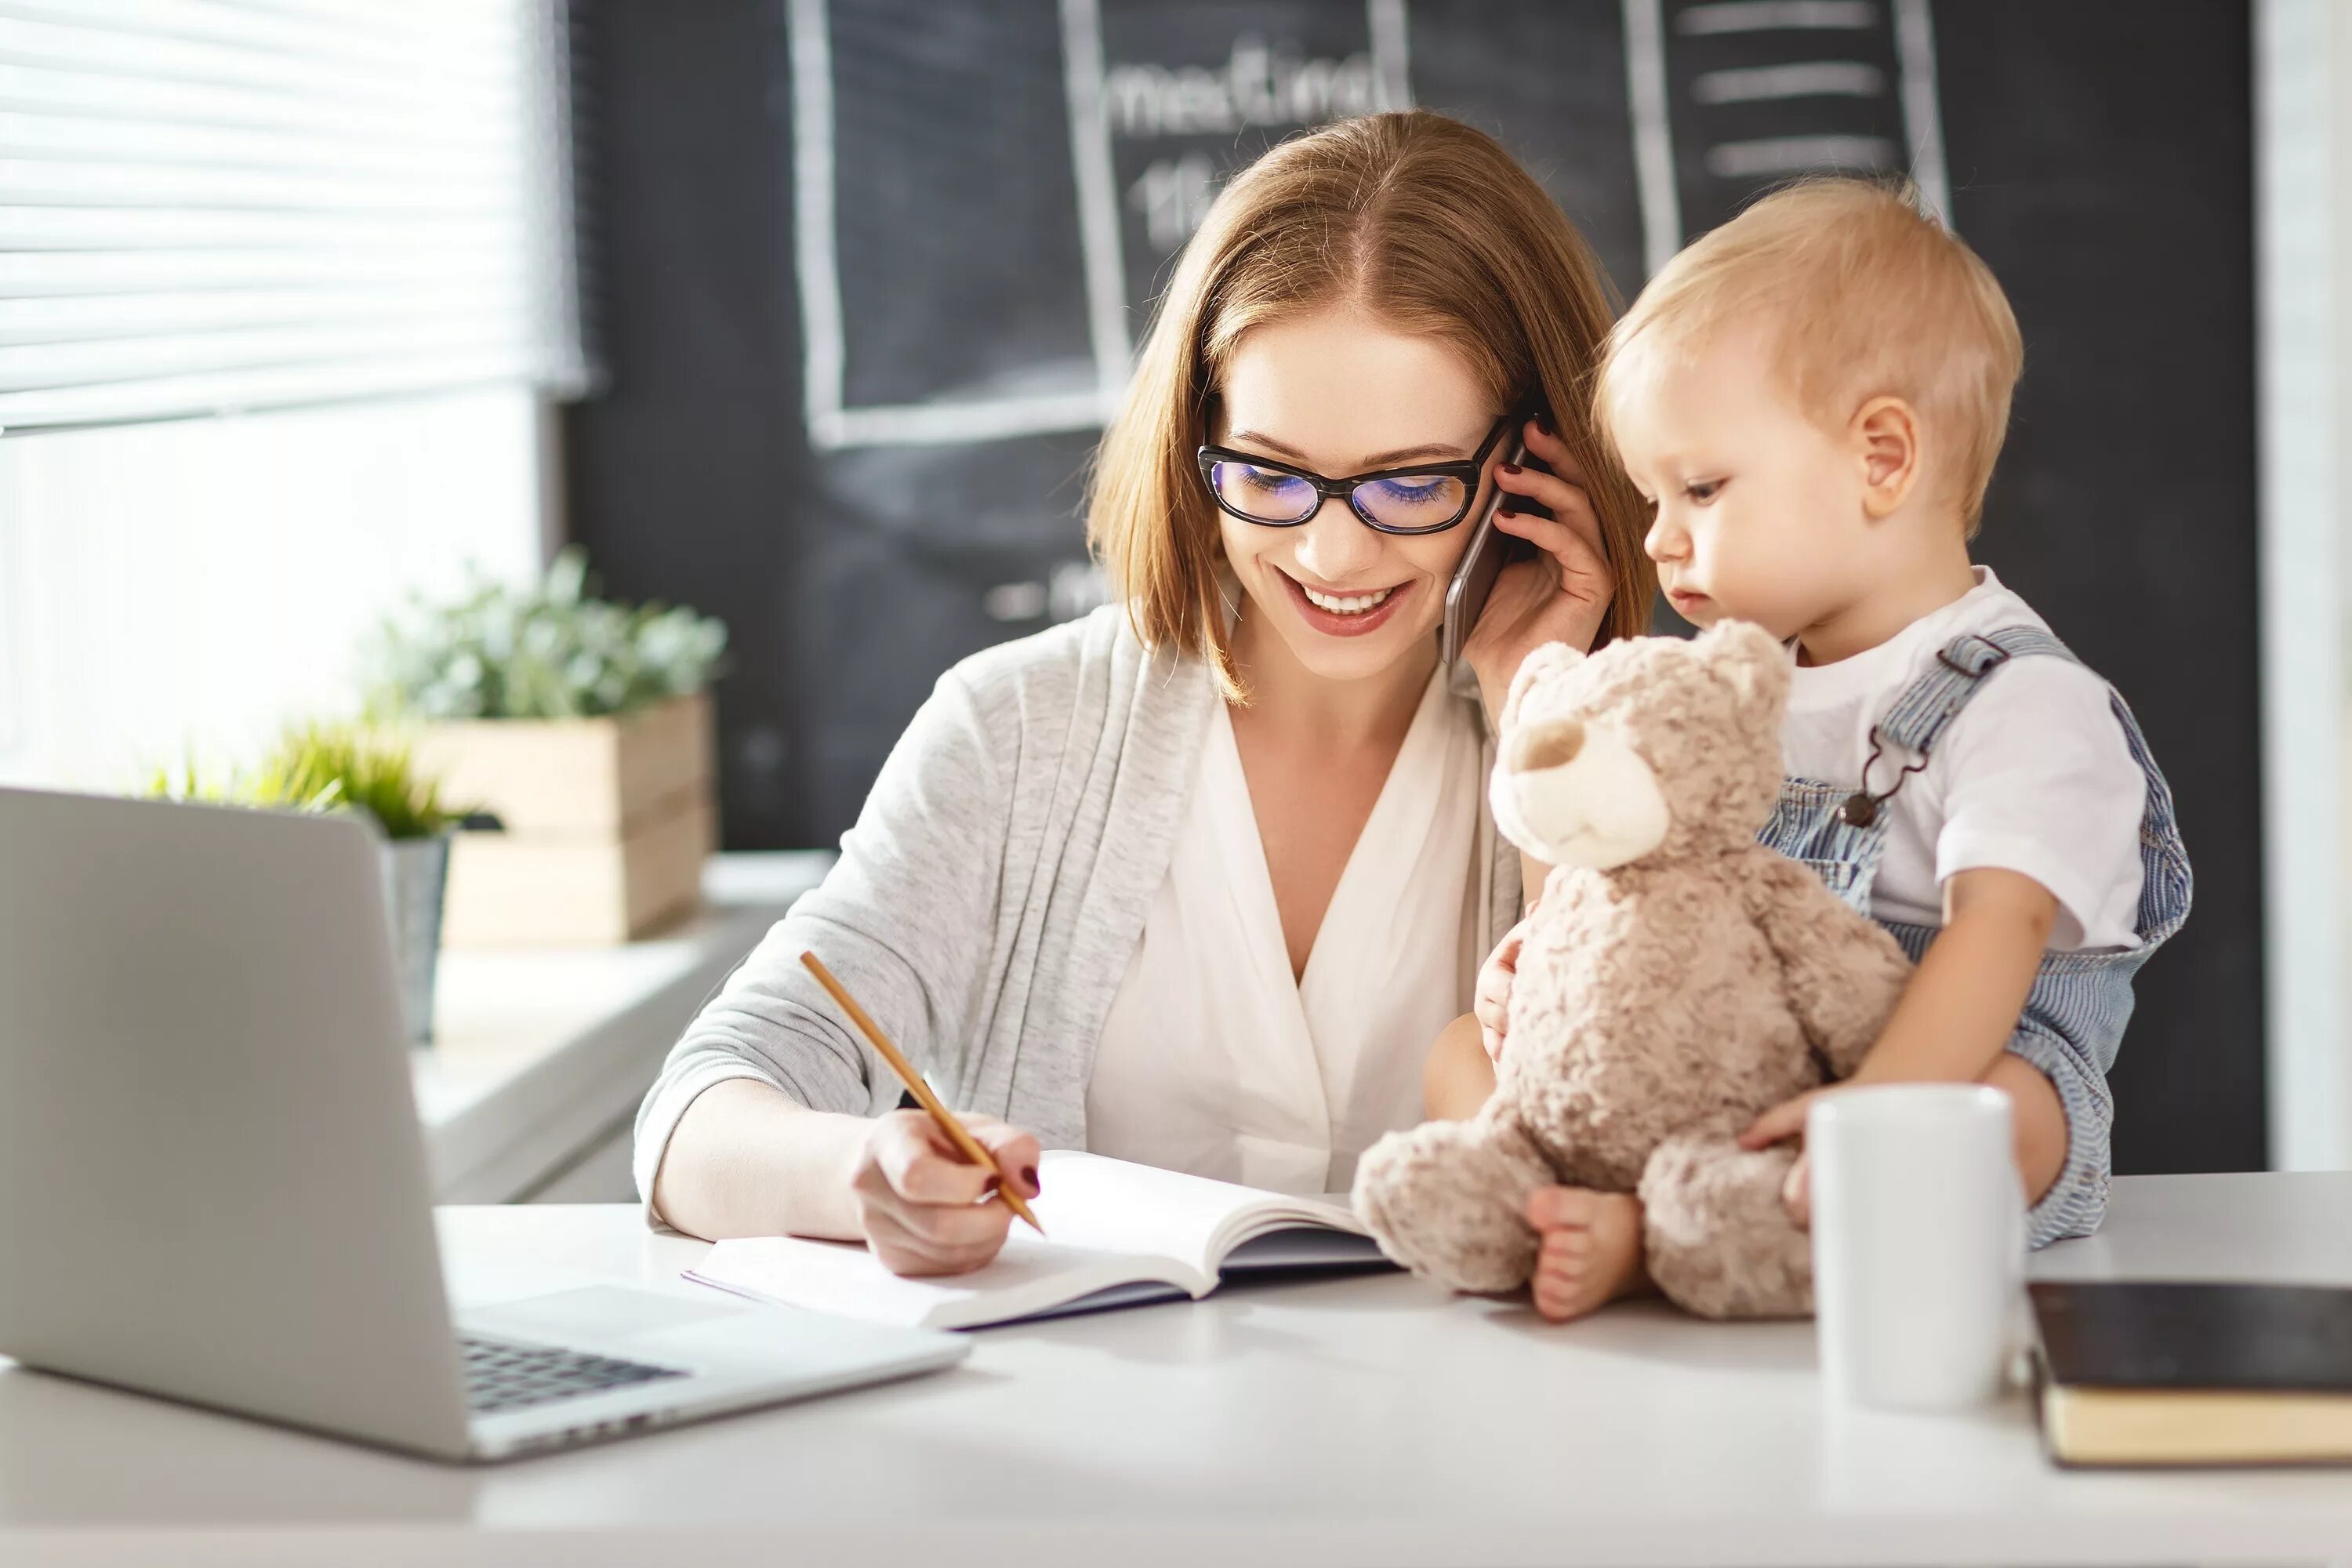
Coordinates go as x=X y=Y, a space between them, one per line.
x=972 y=1148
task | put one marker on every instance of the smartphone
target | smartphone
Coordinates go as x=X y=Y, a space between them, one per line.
x=1489 y=551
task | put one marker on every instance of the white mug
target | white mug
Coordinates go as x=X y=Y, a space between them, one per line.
x=1918 y=1242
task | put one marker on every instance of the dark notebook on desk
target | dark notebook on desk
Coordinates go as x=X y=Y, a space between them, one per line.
x=2175 y=1373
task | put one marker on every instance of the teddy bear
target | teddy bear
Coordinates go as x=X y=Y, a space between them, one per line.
x=1677 y=980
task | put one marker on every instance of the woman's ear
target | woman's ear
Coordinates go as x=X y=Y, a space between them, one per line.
x=1886 y=438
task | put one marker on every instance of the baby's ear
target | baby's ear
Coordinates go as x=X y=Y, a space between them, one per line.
x=1750 y=660
x=1551 y=658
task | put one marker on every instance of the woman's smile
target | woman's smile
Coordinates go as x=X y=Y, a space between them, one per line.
x=1334 y=391
x=1346 y=614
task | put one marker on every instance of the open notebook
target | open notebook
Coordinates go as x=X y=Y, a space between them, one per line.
x=1116 y=1235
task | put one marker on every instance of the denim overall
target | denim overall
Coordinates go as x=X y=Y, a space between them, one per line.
x=2074 y=1016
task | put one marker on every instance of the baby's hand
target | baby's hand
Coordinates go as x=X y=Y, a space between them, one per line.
x=1797 y=1191
x=1493 y=1001
x=1783 y=1122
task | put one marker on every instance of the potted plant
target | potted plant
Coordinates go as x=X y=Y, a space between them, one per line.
x=584 y=727
x=346 y=767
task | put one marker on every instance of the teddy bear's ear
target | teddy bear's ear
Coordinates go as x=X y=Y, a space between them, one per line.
x=1748 y=657
x=1551 y=658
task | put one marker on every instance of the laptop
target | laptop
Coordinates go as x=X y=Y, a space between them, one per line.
x=213 y=1180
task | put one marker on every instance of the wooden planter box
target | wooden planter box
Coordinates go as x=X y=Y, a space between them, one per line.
x=608 y=821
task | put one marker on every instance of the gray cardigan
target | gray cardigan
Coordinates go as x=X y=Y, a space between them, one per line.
x=985 y=907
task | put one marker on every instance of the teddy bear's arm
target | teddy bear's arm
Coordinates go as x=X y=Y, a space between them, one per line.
x=1843 y=972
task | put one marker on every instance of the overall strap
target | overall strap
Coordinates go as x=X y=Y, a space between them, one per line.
x=1931 y=702
x=1921 y=714
x=1936 y=699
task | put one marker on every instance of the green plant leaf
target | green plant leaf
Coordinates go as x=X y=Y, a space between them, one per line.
x=545 y=651
x=320 y=766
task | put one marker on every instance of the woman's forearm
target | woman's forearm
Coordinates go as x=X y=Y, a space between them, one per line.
x=1457 y=1078
x=1533 y=874
x=748 y=1160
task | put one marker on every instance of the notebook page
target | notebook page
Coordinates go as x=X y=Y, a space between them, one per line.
x=1293 y=1246
x=1030 y=1276
x=1112 y=1205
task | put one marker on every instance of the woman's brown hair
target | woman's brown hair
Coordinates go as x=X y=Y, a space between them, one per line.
x=1430 y=227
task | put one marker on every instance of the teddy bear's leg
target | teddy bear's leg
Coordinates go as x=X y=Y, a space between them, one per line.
x=1717 y=1239
x=1447 y=1199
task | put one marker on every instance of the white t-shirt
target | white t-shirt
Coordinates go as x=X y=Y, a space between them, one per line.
x=2035 y=775
x=1213 y=1061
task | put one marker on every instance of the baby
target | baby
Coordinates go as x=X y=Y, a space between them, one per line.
x=1813 y=397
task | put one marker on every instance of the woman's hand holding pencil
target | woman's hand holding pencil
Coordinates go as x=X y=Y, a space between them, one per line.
x=918 y=1200
x=919 y=1187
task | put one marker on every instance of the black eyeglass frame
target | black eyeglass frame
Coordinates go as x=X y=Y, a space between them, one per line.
x=1470 y=471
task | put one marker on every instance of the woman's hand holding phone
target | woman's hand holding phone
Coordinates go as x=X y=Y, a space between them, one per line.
x=1561 y=595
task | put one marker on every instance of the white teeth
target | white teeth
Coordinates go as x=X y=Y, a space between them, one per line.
x=1355 y=605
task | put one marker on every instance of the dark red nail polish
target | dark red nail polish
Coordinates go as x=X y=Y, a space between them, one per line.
x=1029 y=1174
x=1543 y=423
x=1505 y=516
x=1510 y=467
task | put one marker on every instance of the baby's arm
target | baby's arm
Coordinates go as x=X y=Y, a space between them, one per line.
x=1963 y=1000
x=1955 y=1018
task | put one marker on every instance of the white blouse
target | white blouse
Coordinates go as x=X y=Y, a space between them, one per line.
x=1212 y=1060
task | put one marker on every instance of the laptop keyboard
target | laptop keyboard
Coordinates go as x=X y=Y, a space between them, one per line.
x=503 y=1375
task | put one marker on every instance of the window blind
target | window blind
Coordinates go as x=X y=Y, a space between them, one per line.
x=209 y=206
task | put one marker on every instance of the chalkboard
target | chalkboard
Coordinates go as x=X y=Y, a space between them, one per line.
x=872 y=270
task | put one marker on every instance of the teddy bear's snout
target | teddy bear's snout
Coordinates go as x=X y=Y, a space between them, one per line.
x=1575 y=793
x=1551 y=744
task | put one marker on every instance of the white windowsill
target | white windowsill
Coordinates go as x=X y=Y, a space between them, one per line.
x=541 y=1053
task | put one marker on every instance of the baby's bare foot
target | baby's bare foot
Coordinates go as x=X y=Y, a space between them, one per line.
x=1591 y=1251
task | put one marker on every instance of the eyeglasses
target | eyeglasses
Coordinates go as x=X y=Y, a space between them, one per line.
x=1427 y=498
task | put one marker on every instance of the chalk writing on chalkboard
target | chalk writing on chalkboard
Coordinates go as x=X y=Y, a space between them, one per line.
x=1048 y=219
x=1259 y=85
x=1728 y=96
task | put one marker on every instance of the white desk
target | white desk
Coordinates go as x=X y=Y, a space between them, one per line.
x=1360 y=1421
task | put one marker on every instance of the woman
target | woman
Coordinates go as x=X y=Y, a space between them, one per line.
x=1197 y=880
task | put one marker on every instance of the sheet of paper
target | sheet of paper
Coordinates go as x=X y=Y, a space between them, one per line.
x=1029 y=1276
x=1112 y=1205
x=1108 y=1223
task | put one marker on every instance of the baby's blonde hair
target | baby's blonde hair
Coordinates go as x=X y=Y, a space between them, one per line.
x=1864 y=295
